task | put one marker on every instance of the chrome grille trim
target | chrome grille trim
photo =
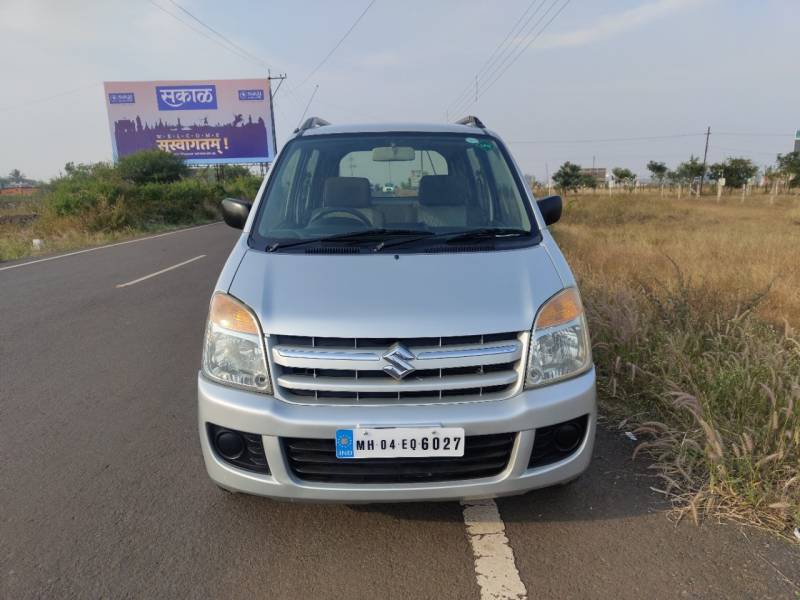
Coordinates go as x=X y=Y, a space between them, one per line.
x=353 y=371
x=426 y=357
x=410 y=384
x=282 y=352
x=467 y=352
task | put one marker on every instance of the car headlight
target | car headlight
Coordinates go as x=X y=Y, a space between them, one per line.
x=233 y=352
x=559 y=341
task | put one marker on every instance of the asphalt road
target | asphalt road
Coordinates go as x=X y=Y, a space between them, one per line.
x=103 y=493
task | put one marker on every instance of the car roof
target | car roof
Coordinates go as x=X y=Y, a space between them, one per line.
x=395 y=128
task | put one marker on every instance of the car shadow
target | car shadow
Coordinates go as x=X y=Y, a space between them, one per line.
x=614 y=486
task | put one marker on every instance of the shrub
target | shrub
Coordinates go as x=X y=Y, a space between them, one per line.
x=714 y=395
x=152 y=166
x=244 y=187
x=83 y=188
x=179 y=202
x=145 y=189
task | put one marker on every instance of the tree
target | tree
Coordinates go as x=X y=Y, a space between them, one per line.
x=673 y=177
x=568 y=177
x=623 y=176
x=789 y=167
x=716 y=171
x=735 y=171
x=152 y=166
x=588 y=181
x=658 y=170
x=688 y=171
x=16 y=176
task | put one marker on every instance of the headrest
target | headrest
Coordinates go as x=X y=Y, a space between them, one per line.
x=351 y=192
x=441 y=190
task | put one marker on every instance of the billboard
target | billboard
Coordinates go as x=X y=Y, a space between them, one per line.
x=205 y=122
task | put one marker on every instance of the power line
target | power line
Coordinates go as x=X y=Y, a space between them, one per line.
x=512 y=57
x=203 y=33
x=527 y=45
x=336 y=47
x=48 y=98
x=220 y=35
x=497 y=51
x=605 y=140
x=783 y=135
x=743 y=151
x=314 y=93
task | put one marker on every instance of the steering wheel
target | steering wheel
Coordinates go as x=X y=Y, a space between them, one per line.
x=352 y=213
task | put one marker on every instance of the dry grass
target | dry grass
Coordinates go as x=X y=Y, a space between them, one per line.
x=692 y=306
x=737 y=249
x=61 y=233
x=17 y=241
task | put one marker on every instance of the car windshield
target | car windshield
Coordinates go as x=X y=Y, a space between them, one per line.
x=370 y=187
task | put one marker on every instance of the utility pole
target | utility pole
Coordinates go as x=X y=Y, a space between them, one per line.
x=272 y=95
x=705 y=156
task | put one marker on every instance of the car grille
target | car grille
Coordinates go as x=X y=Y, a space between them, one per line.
x=315 y=460
x=354 y=370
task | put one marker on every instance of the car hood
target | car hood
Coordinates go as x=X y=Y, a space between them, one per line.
x=396 y=296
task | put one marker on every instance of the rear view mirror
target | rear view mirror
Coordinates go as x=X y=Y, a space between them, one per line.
x=392 y=153
x=235 y=211
x=550 y=207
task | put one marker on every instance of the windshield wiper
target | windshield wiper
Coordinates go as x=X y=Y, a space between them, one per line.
x=351 y=236
x=485 y=232
x=464 y=235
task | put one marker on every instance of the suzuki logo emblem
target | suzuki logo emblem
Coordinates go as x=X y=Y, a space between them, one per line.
x=398 y=356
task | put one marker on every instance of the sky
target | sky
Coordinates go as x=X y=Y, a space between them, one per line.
x=598 y=72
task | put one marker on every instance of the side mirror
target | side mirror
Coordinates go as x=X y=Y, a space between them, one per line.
x=550 y=207
x=235 y=211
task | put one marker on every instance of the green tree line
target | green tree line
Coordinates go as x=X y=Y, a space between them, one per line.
x=734 y=171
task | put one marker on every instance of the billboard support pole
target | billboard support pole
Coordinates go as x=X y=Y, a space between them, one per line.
x=270 y=78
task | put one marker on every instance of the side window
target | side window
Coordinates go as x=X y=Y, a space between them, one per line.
x=509 y=202
x=482 y=193
x=305 y=192
x=289 y=175
x=279 y=205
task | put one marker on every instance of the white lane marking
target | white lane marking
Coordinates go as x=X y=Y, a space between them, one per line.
x=495 y=569
x=157 y=273
x=149 y=237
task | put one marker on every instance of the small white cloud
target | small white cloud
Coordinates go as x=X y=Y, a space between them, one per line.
x=614 y=24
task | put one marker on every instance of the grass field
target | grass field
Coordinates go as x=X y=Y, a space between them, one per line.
x=59 y=234
x=693 y=308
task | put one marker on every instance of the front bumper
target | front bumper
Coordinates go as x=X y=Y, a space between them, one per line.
x=274 y=419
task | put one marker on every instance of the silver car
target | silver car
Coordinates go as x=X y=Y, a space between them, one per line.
x=426 y=345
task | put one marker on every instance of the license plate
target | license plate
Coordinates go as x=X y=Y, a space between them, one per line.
x=399 y=442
